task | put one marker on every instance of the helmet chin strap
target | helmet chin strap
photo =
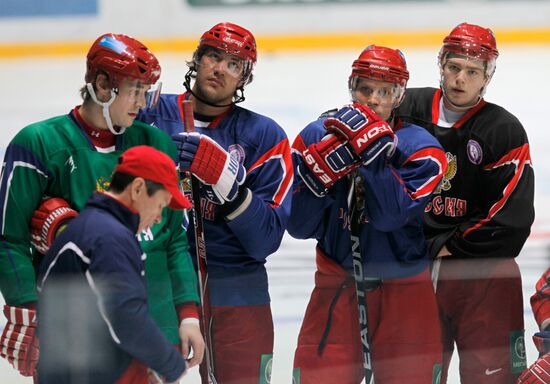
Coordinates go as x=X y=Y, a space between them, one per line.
x=105 y=109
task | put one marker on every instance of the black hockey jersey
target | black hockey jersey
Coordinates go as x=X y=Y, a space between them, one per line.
x=483 y=207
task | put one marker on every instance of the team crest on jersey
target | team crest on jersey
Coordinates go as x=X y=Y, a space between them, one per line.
x=475 y=153
x=102 y=184
x=185 y=185
x=450 y=173
x=237 y=150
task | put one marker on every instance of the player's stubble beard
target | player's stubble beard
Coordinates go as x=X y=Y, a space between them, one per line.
x=220 y=97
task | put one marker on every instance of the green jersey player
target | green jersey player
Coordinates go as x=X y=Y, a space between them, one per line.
x=50 y=170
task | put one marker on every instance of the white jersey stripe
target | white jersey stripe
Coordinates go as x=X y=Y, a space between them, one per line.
x=15 y=165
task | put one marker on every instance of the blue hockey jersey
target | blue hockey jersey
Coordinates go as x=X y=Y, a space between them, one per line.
x=92 y=310
x=395 y=192
x=237 y=249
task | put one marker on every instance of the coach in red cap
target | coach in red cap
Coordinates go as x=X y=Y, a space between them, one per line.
x=148 y=163
x=96 y=265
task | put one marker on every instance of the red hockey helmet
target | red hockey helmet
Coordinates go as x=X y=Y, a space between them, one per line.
x=472 y=41
x=381 y=63
x=384 y=64
x=121 y=56
x=233 y=40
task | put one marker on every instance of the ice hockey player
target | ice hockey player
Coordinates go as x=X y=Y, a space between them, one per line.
x=96 y=266
x=243 y=161
x=396 y=166
x=480 y=216
x=66 y=159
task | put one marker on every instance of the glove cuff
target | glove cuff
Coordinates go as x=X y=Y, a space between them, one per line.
x=232 y=209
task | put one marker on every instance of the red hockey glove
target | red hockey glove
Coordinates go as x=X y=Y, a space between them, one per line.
x=367 y=133
x=538 y=373
x=51 y=216
x=326 y=162
x=540 y=301
x=19 y=344
x=213 y=165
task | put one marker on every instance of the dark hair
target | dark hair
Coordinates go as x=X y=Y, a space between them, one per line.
x=120 y=181
x=85 y=94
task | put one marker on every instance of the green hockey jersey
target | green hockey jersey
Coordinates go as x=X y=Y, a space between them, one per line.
x=56 y=158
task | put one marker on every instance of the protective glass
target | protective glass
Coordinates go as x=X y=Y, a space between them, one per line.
x=153 y=94
x=229 y=64
x=386 y=93
x=472 y=69
x=137 y=90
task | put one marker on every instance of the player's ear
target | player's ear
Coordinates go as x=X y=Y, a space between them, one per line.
x=137 y=188
x=102 y=87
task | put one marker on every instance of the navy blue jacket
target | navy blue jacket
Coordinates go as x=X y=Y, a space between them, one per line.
x=92 y=311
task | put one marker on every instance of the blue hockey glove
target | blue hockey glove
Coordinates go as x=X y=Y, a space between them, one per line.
x=367 y=133
x=542 y=341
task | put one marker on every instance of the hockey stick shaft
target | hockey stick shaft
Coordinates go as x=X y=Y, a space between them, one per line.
x=435 y=272
x=200 y=248
x=354 y=203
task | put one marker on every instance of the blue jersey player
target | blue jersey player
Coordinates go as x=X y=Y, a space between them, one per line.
x=395 y=168
x=244 y=164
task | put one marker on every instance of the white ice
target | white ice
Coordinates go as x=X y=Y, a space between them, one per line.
x=293 y=89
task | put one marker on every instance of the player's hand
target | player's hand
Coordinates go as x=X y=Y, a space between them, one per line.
x=155 y=378
x=51 y=217
x=212 y=164
x=19 y=343
x=326 y=162
x=538 y=373
x=369 y=136
x=191 y=340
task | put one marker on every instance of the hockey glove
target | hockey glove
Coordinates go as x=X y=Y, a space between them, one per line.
x=538 y=373
x=48 y=220
x=18 y=343
x=326 y=162
x=208 y=161
x=542 y=341
x=367 y=133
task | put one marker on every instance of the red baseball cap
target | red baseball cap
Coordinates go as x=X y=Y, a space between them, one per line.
x=151 y=164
